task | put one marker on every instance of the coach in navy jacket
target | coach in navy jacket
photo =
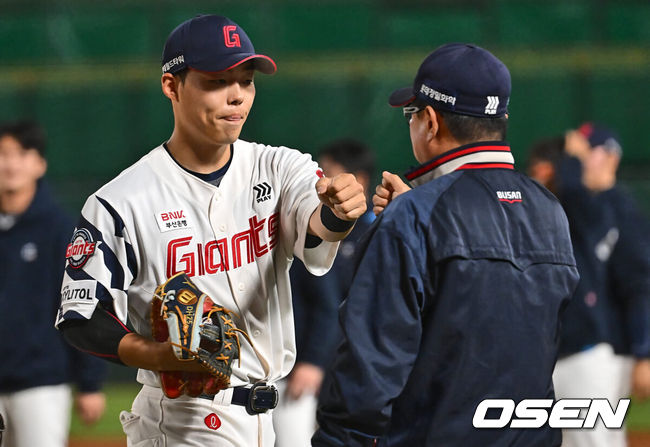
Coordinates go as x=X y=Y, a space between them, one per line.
x=459 y=287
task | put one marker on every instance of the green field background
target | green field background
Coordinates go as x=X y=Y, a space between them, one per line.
x=89 y=70
x=120 y=396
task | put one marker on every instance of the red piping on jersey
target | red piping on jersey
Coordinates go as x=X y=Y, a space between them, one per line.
x=121 y=324
x=113 y=356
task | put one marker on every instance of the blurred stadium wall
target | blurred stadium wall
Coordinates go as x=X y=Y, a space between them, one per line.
x=89 y=71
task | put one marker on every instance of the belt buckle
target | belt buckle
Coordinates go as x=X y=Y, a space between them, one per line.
x=262 y=397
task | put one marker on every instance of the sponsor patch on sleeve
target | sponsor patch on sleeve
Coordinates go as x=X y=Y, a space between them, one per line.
x=79 y=291
x=78 y=297
x=80 y=248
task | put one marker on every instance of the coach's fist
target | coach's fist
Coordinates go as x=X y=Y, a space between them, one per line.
x=343 y=195
x=390 y=187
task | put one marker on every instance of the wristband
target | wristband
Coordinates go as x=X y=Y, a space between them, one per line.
x=312 y=241
x=333 y=223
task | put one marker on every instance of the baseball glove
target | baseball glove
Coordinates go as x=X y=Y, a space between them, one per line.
x=199 y=330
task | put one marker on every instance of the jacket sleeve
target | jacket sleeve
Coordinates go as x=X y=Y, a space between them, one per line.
x=316 y=301
x=382 y=328
x=630 y=271
x=88 y=372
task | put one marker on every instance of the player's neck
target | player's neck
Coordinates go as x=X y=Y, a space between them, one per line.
x=17 y=202
x=201 y=158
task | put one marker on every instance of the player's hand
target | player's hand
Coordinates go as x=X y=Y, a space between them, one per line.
x=305 y=378
x=343 y=195
x=577 y=145
x=641 y=379
x=391 y=186
x=90 y=406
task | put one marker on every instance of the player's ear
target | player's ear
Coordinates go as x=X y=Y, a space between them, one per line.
x=433 y=122
x=169 y=84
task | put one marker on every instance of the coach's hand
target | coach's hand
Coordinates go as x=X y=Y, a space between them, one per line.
x=391 y=186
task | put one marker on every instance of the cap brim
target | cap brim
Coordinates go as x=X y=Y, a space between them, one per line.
x=262 y=63
x=401 y=97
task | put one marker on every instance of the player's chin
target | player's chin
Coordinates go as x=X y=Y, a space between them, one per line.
x=227 y=136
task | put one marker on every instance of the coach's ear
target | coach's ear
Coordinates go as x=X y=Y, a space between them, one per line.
x=169 y=84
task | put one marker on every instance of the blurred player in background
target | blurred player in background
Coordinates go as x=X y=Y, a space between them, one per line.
x=37 y=366
x=460 y=282
x=605 y=333
x=315 y=302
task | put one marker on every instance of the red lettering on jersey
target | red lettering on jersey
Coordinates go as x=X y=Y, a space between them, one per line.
x=231 y=41
x=82 y=249
x=256 y=228
x=172 y=215
x=202 y=259
x=237 y=240
x=212 y=247
x=172 y=246
x=273 y=226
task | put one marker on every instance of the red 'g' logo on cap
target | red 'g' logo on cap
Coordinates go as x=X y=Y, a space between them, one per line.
x=231 y=40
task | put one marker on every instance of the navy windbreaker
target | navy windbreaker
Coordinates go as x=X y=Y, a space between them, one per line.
x=456 y=298
x=611 y=242
x=32 y=257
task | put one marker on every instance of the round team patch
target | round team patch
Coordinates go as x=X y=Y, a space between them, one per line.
x=80 y=249
x=212 y=421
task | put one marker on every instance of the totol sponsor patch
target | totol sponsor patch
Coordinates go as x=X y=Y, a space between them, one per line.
x=83 y=291
x=80 y=248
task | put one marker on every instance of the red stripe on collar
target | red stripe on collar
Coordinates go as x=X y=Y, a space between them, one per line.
x=486 y=165
x=460 y=152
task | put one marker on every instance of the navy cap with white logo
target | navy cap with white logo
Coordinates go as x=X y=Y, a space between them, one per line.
x=460 y=78
x=599 y=135
x=211 y=43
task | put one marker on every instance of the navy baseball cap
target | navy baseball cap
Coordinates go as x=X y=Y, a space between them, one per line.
x=599 y=135
x=460 y=78
x=211 y=43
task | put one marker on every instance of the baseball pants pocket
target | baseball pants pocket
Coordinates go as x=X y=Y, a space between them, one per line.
x=136 y=434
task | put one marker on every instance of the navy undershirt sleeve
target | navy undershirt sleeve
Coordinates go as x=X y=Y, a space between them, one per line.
x=99 y=336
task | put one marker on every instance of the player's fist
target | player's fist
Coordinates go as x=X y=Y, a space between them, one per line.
x=641 y=379
x=576 y=145
x=343 y=195
x=390 y=187
x=90 y=406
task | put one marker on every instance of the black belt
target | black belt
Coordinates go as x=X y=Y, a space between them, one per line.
x=257 y=399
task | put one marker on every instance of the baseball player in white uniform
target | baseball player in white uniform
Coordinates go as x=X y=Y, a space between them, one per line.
x=229 y=213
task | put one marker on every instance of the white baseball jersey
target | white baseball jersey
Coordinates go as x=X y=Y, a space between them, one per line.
x=236 y=241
